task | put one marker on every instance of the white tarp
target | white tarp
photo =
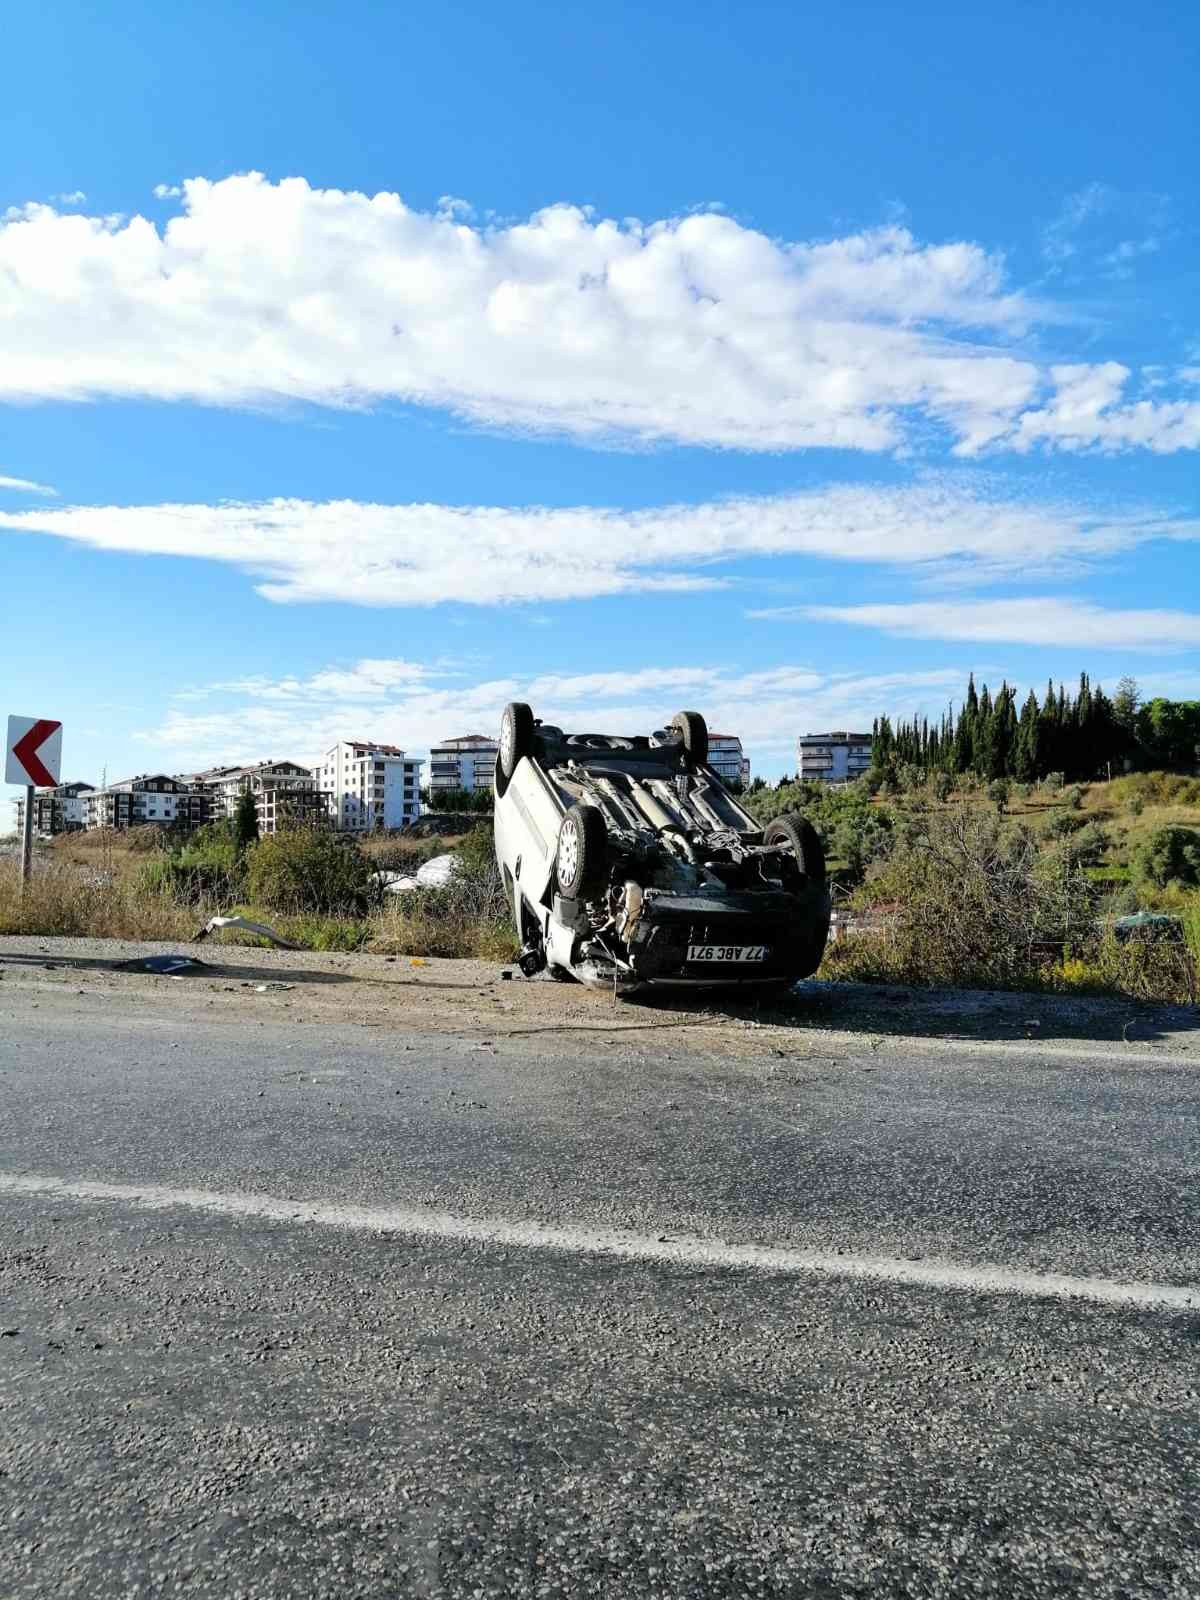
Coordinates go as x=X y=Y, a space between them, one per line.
x=434 y=874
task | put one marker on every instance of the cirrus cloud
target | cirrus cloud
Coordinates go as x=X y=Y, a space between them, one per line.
x=1045 y=620
x=26 y=486
x=424 y=555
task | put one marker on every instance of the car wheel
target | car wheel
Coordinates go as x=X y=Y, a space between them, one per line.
x=516 y=740
x=805 y=842
x=693 y=730
x=582 y=855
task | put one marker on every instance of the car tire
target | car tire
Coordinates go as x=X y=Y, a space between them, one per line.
x=581 y=857
x=805 y=841
x=693 y=730
x=561 y=975
x=516 y=741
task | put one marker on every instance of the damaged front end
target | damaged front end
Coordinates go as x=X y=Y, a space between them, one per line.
x=702 y=909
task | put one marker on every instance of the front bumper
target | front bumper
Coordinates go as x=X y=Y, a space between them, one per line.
x=793 y=927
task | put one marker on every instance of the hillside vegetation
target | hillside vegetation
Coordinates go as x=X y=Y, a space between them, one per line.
x=1010 y=885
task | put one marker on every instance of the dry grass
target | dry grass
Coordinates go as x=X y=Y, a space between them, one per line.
x=71 y=900
x=469 y=917
x=61 y=899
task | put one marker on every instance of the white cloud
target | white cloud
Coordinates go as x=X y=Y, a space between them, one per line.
x=1086 y=412
x=76 y=197
x=767 y=708
x=1060 y=237
x=694 y=328
x=26 y=486
x=396 y=555
x=368 y=680
x=1037 y=620
x=167 y=191
x=1100 y=227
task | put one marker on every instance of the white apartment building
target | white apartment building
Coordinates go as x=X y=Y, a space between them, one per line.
x=62 y=809
x=285 y=794
x=467 y=763
x=833 y=757
x=150 y=797
x=370 y=785
x=727 y=758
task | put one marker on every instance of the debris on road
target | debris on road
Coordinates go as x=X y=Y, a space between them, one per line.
x=214 y=924
x=163 y=966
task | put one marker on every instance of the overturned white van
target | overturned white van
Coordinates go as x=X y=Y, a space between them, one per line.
x=628 y=863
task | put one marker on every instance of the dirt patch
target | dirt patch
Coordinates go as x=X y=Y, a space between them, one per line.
x=473 y=999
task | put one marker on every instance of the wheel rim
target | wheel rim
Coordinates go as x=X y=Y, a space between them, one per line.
x=568 y=853
x=508 y=740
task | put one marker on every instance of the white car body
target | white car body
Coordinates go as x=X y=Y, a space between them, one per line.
x=690 y=891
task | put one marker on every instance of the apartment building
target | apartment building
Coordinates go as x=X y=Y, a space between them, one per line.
x=833 y=757
x=467 y=763
x=150 y=797
x=286 y=795
x=727 y=758
x=370 y=785
x=58 y=810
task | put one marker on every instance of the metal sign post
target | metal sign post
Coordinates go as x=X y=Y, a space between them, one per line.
x=27 y=837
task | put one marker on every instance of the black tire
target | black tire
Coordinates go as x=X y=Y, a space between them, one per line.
x=804 y=840
x=516 y=741
x=561 y=975
x=581 y=857
x=693 y=730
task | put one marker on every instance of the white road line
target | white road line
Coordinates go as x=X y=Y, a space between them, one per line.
x=611 y=1242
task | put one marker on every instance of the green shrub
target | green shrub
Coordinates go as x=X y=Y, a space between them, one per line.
x=1169 y=855
x=404 y=855
x=1155 y=789
x=476 y=802
x=308 y=869
x=965 y=899
x=1074 y=797
x=1088 y=844
x=1061 y=825
x=854 y=832
x=1141 y=969
x=207 y=868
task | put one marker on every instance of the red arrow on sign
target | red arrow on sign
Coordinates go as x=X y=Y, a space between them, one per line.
x=27 y=747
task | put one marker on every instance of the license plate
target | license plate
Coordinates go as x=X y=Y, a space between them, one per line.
x=727 y=952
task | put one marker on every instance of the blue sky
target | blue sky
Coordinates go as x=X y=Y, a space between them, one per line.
x=783 y=364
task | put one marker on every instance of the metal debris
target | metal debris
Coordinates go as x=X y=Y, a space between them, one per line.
x=163 y=966
x=214 y=924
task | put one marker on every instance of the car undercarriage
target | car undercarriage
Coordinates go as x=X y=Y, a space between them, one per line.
x=629 y=863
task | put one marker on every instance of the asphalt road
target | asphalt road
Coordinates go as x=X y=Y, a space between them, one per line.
x=306 y=1310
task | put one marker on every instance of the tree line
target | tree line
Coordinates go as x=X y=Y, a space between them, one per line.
x=1083 y=735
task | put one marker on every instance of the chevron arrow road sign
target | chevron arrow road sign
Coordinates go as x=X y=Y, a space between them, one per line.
x=33 y=752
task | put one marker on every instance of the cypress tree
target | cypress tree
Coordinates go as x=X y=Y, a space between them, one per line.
x=245 y=822
x=1026 y=764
